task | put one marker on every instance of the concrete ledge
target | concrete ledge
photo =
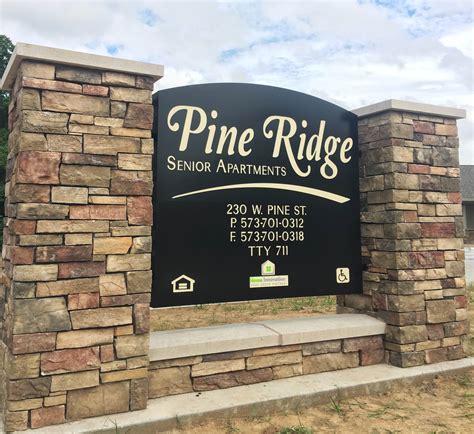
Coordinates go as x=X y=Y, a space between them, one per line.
x=325 y=328
x=412 y=107
x=39 y=53
x=174 y=344
x=176 y=412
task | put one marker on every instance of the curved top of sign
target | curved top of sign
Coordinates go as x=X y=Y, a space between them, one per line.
x=273 y=89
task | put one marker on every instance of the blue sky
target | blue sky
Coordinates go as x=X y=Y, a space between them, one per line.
x=350 y=52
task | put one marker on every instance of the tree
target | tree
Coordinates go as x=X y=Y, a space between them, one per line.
x=6 y=49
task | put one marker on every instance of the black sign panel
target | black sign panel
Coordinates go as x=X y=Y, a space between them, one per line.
x=256 y=195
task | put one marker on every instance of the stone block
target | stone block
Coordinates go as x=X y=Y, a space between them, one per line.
x=132 y=183
x=23 y=290
x=59 y=86
x=77 y=239
x=33 y=343
x=69 y=195
x=107 y=145
x=37 y=70
x=98 y=401
x=90 y=176
x=423 y=127
x=169 y=381
x=118 y=109
x=440 y=311
x=108 y=122
x=23 y=227
x=75 y=380
x=129 y=374
x=286 y=371
x=72 y=270
x=131 y=345
x=140 y=210
x=84 y=338
x=74 y=103
x=123 y=300
x=209 y=368
x=71 y=226
x=141 y=317
x=87 y=300
x=98 y=212
x=148 y=146
x=107 y=353
x=232 y=379
x=138 y=393
x=329 y=362
x=269 y=360
x=38 y=167
x=372 y=357
x=131 y=262
x=21 y=255
x=70 y=360
x=130 y=95
x=322 y=347
x=103 y=317
x=118 y=79
x=134 y=162
x=406 y=334
x=80 y=75
x=47 y=416
x=44 y=122
x=438 y=230
x=81 y=119
x=87 y=129
x=25 y=404
x=63 y=253
x=446 y=130
x=91 y=160
x=32 y=273
x=65 y=287
x=141 y=245
x=64 y=143
x=29 y=388
x=112 y=284
x=40 y=315
x=139 y=281
x=41 y=210
x=406 y=303
x=29 y=193
x=16 y=420
x=23 y=366
x=139 y=116
x=369 y=343
x=130 y=132
x=145 y=82
x=51 y=401
x=131 y=231
x=89 y=89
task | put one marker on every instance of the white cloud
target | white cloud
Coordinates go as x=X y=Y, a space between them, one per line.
x=350 y=52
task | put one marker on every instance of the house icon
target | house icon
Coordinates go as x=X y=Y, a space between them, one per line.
x=183 y=283
x=268 y=268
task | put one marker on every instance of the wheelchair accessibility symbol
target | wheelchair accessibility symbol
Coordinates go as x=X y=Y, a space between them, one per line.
x=343 y=275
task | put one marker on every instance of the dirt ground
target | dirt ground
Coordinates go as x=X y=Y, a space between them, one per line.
x=444 y=405
x=203 y=315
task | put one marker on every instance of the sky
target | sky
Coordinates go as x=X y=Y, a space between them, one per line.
x=350 y=52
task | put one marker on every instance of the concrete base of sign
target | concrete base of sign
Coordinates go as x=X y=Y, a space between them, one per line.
x=174 y=344
x=178 y=411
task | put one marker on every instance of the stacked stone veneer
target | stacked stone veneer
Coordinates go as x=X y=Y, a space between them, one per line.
x=77 y=244
x=223 y=370
x=412 y=236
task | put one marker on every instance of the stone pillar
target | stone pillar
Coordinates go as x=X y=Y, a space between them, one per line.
x=412 y=231
x=77 y=239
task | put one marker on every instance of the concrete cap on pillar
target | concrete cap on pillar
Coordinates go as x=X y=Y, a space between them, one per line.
x=411 y=107
x=39 y=53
